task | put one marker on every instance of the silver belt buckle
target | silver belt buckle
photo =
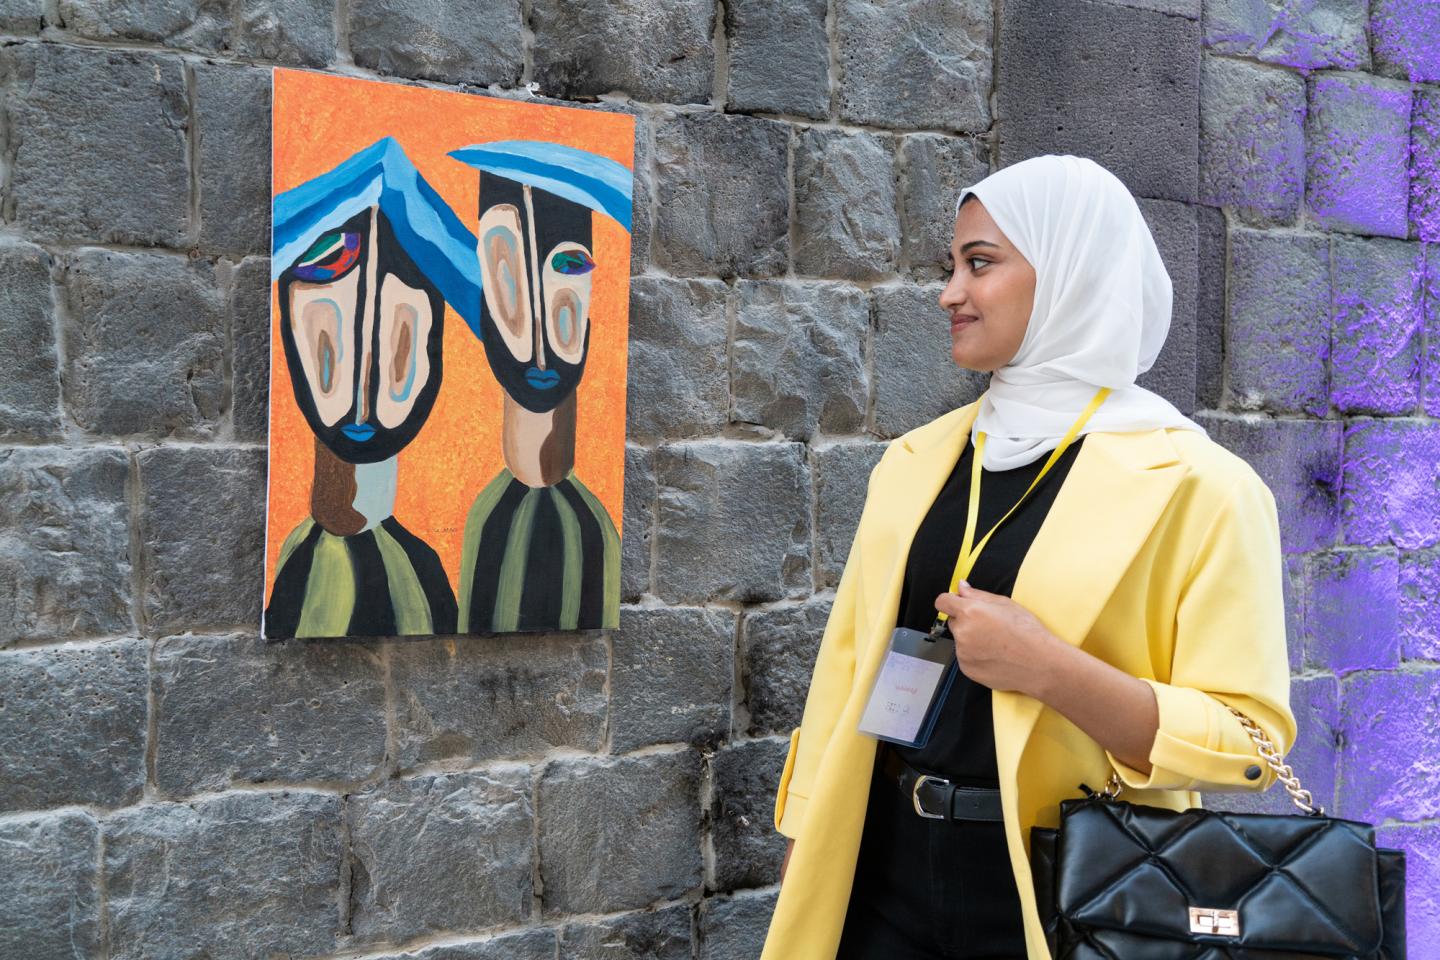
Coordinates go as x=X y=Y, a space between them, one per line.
x=915 y=795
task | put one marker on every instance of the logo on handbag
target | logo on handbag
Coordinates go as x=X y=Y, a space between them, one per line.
x=1225 y=923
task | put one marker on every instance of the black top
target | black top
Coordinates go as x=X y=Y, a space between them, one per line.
x=962 y=745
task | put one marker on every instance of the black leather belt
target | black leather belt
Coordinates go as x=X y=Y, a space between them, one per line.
x=937 y=798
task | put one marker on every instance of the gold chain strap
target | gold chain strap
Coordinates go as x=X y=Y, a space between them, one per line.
x=1298 y=794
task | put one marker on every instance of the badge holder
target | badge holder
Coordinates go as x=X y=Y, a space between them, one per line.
x=909 y=688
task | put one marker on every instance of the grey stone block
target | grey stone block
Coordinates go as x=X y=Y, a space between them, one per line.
x=30 y=390
x=915 y=63
x=1279 y=331
x=780 y=644
x=202 y=537
x=671 y=676
x=1387 y=758
x=656 y=51
x=676 y=379
x=846 y=220
x=447 y=853
x=1432 y=330
x=250 y=348
x=1209 y=306
x=723 y=195
x=1252 y=139
x=65 y=564
x=916 y=379
x=1173 y=373
x=244 y=875
x=1310 y=35
x=1375 y=355
x=842 y=478
x=535 y=944
x=638 y=526
x=1352 y=610
x=51 y=907
x=476 y=42
x=734 y=928
x=642 y=218
x=232 y=134
x=98 y=141
x=1357 y=138
x=733 y=521
x=1392 y=484
x=798 y=357
x=1419 y=598
x=779 y=57
x=291 y=712
x=660 y=934
x=1425 y=165
x=21 y=16
x=1061 y=90
x=72 y=730
x=503 y=696
x=1402 y=34
x=934 y=169
x=1294 y=588
x=748 y=851
x=596 y=855
x=144 y=344
x=291 y=31
x=191 y=24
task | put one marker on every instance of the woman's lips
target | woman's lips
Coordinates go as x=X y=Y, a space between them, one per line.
x=956 y=322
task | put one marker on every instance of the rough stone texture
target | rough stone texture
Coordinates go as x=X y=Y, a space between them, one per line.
x=1312 y=758
x=733 y=521
x=1342 y=635
x=51 y=907
x=1309 y=35
x=734 y=928
x=65 y=564
x=98 y=141
x=30 y=390
x=1060 y=92
x=1391 y=725
x=292 y=712
x=21 y=16
x=72 y=726
x=202 y=537
x=798 y=357
x=144 y=344
x=1252 y=139
x=1392 y=484
x=842 y=478
x=191 y=24
x=748 y=851
x=846 y=220
x=1356 y=143
x=250 y=348
x=596 y=854
x=915 y=63
x=1421 y=843
x=1210 y=279
x=780 y=645
x=934 y=169
x=1301 y=463
x=447 y=853
x=1172 y=375
x=1432 y=330
x=1279 y=330
x=916 y=380
x=514 y=696
x=232 y=134
x=676 y=380
x=1402 y=37
x=533 y=944
x=292 y=31
x=1375 y=357
x=639 y=523
x=1294 y=586
x=723 y=195
x=478 y=42
x=1419 y=598
x=1425 y=164
x=670 y=677
x=657 y=51
x=779 y=57
x=662 y=934
x=245 y=875
x=642 y=219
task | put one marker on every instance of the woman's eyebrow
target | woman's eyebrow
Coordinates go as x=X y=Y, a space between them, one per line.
x=978 y=243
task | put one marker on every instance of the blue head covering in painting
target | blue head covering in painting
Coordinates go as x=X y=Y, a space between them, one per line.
x=536 y=256
x=365 y=257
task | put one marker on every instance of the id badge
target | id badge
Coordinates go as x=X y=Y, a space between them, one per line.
x=909 y=687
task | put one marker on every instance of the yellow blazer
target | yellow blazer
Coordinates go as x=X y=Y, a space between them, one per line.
x=1160 y=555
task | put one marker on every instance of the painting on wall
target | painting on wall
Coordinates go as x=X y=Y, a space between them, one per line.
x=449 y=303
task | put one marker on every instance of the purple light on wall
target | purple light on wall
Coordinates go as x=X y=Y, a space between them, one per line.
x=1406 y=38
x=1419 y=606
x=1425 y=164
x=1421 y=843
x=1351 y=611
x=1390 y=757
x=1391 y=484
x=1308 y=35
x=1375 y=333
x=1357 y=147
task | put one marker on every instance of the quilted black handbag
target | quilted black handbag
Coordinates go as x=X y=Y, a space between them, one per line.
x=1128 y=881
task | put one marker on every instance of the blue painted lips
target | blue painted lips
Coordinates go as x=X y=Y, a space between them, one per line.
x=541 y=379
x=359 y=432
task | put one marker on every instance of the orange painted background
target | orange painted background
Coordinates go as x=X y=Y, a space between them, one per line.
x=319 y=121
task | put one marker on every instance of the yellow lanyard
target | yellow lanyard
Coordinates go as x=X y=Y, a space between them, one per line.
x=968 y=556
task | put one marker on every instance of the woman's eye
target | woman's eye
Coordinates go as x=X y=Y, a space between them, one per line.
x=972 y=260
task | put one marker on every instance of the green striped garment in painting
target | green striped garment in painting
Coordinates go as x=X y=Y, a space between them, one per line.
x=538 y=558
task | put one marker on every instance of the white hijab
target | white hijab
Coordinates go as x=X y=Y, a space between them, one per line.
x=1102 y=309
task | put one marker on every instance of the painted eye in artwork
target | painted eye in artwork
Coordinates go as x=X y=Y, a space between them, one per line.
x=329 y=258
x=574 y=261
x=566 y=283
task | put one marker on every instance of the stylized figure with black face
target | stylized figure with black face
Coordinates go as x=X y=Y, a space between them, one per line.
x=540 y=551
x=365 y=258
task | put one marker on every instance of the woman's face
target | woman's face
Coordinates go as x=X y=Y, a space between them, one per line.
x=990 y=294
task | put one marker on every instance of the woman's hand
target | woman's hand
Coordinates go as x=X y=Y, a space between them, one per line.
x=997 y=641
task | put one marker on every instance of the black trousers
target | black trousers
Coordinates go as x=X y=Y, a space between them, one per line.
x=930 y=889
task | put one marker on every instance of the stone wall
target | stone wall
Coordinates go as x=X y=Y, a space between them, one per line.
x=171 y=787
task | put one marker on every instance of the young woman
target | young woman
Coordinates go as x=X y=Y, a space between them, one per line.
x=1130 y=590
